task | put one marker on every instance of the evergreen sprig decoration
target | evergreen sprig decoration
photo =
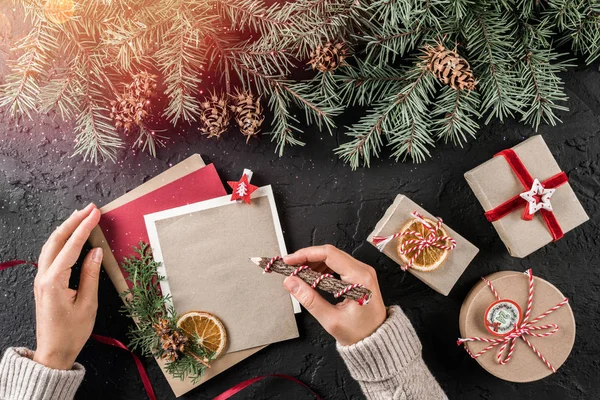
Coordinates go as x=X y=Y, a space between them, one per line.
x=74 y=66
x=100 y=44
x=155 y=332
x=510 y=46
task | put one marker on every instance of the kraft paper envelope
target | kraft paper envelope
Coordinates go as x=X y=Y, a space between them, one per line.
x=205 y=249
x=111 y=267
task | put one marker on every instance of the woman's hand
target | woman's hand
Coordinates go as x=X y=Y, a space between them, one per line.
x=65 y=317
x=347 y=321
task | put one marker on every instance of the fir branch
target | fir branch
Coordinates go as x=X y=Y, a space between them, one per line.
x=542 y=87
x=401 y=26
x=366 y=83
x=179 y=59
x=490 y=44
x=403 y=119
x=149 y=140
x=367 y=136
x=283 y=128
x=253 y=14
x=456 y=113
x=96 y=137
x=61 y=94
x=20 y=93
x=579 y=23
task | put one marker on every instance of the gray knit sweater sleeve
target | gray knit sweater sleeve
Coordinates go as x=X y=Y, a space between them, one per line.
x=388 y=364
x=21 y=378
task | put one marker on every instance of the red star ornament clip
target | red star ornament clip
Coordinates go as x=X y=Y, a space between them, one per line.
x=242 y=189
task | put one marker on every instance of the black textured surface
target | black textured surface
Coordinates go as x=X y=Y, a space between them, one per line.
x=320 y=201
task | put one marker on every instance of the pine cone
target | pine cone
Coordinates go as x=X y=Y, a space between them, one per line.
x=449 y=67
x=172 y=341
x=215 y=115
x=328 y=57
x=248 y=114
x=131 y=107
x=162 y=327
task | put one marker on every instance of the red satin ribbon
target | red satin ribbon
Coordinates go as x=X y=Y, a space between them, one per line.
x=14 y=263
x=243 y=385
x=517 y=201
x=138 y=363
x=142 y=371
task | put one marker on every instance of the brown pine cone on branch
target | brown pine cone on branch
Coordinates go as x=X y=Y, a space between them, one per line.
x=328 y=57
x=449 y=67
x=131 y=107
x=248 y=113
x=215 y=115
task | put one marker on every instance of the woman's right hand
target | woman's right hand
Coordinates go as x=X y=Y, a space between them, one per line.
x=347 y=322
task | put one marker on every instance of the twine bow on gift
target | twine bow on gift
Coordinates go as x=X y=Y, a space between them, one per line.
x=420 y=243
x=522 y=330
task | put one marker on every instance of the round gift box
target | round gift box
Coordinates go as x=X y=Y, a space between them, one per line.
x=524 y=365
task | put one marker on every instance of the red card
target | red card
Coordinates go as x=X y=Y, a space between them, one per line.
x=124 y=226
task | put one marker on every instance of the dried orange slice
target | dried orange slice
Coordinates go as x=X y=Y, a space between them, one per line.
x=206 y=329
x=431 y=257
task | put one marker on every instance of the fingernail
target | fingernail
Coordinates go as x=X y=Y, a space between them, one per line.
x=89 y=206
x=97 y=255
x=291 y=285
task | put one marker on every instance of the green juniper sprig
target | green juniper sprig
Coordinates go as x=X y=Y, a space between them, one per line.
x=147 y=306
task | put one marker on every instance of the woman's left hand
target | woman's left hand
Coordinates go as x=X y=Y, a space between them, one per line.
x=65 y=317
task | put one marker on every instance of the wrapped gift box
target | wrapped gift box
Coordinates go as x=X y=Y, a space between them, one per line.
x=524 y=364
x=495 y=181
x=443 y=278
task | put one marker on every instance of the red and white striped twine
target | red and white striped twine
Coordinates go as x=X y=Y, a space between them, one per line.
x=420 y=243
x=526 y=328
x=270 y=264
x=319 y=279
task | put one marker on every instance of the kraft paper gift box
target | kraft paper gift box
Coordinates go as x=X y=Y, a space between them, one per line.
x=495 y=182
x=524 y=364
x=444 y=277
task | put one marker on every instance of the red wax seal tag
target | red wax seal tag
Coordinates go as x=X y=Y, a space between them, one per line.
x=502 y=316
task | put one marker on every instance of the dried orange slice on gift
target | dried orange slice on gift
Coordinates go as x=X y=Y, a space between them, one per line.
x=206 y=329
x=431 y=257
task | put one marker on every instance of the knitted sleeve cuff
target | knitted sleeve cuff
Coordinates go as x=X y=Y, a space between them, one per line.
x=23 y=378
x=387 y=351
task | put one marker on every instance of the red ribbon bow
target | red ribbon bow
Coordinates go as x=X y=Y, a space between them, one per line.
x=517 y=201
x=526 y=328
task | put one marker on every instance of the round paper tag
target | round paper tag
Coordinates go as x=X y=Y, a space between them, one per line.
x=501 y=317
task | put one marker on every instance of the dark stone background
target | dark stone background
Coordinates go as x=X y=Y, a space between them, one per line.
x=320 y=200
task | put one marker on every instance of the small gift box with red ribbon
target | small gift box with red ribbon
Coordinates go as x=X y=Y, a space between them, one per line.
x=518 y=327
x=422 y=244
x=526 y=197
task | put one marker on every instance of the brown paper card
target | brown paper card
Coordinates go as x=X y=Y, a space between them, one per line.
x=524 y=366
x=192 y=163
x=205 y=248
x=494 y=182
x=445 y=276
